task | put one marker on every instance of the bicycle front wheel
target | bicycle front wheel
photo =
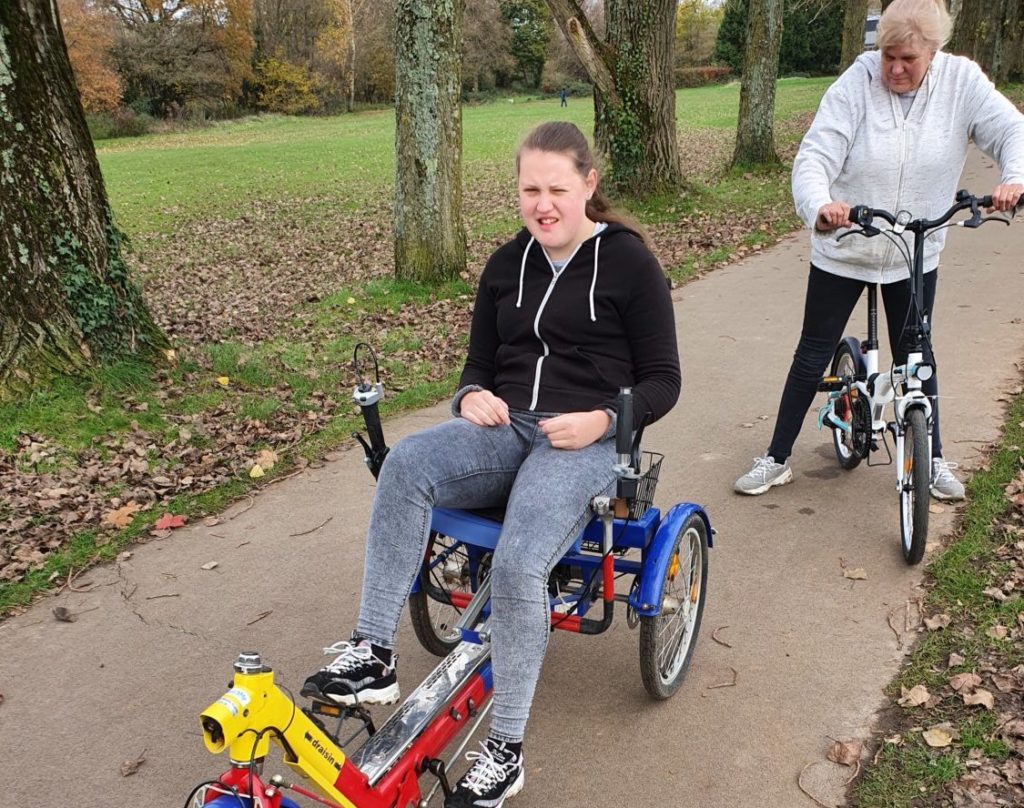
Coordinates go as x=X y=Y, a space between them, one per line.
x=914 y=490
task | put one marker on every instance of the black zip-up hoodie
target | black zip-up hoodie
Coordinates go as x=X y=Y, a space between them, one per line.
x=567 y=341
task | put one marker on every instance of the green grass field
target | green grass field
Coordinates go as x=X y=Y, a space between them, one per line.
x=161 y=182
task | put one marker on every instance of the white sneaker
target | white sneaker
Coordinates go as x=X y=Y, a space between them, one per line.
x=945 y=485
x=765 y=473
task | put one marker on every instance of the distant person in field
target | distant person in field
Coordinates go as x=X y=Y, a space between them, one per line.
x=564 y=96
x=891 y=132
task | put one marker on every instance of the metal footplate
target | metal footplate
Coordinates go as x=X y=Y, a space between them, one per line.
x=426 y=702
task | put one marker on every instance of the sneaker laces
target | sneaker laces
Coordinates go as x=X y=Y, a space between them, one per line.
x=488 y=770
x=762 y=465
x=942 y=470
x=350 y=655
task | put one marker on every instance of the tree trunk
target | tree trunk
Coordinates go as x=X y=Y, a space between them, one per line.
x=350 y=54
x=853 y=32
x=992 y=34
x=430 y=241
x=755 y=133
x=65 y=298
x=634 y=95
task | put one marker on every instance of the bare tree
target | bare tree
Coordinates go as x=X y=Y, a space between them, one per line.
x=755 y=133
x=634 y=96
x=66 y=301
x=430 y=240
x=853 y=32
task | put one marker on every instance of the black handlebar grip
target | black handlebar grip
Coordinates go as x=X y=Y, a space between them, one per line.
x=624 y=422
x=857 y=214
x=371 y=417
x=984 y=201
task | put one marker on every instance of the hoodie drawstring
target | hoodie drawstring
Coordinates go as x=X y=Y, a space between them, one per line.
x=522 y=272
x=593 y=282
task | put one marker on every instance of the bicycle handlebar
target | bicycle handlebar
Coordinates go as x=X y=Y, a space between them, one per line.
x=863 y=215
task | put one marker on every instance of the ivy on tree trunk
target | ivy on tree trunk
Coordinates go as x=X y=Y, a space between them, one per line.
x=430 y=240
x=634 y=93
x=755 y=132
x=66 y=301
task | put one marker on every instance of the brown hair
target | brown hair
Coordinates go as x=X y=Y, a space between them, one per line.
x=926 y=22
x=562 y=137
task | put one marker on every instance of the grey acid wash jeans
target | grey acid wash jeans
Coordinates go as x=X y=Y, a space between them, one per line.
x=457 y=464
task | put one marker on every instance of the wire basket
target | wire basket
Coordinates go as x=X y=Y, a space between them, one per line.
x=650 y=467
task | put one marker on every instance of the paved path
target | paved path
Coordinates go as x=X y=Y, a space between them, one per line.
x=811 y=650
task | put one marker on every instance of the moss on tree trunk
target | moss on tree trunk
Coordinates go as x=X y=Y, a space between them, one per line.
x=66 y=301
x=755 y=132
x=430 y=240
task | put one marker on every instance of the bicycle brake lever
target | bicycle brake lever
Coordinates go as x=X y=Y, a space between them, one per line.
x=866 y=230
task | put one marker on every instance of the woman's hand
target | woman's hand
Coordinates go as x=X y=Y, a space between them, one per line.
x=574 y=430
x=1005 y=197
x=483 y=408
x=832 y=216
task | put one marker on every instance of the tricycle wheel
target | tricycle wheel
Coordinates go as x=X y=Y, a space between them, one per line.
x=667 y=639
x=448 y=579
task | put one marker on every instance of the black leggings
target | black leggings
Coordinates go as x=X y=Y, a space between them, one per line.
x=830 y=301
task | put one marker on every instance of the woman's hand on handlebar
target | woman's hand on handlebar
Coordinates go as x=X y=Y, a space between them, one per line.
x=483 y=408
x=832 y=216
x=1006 y=197
x=574 y=430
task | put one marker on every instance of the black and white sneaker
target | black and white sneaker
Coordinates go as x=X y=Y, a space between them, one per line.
x=357 y=673
x=496 y=774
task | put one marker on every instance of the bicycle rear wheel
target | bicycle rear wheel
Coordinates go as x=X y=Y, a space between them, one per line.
x=667 y=639
x=914 y=491
x=853 y=446
x=448 y=579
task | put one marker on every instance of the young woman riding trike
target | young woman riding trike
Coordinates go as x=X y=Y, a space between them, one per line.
x=571 y=310
x=662 y=560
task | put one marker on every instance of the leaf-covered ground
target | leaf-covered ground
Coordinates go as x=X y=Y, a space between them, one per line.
x=264 y=310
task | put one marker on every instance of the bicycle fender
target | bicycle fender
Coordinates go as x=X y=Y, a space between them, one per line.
x=854 y=345
x=646 y=598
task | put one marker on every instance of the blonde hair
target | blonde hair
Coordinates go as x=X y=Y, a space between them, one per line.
x=924 y=22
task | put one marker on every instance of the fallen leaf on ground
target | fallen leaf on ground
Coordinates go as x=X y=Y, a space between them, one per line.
x=124 y=556
x=938 y=736
x=855 y=574
x=980 y=696
x=915 y=697
x=935 y=622
x=169 y=522
x=995 y=593
x=256 y=471
x=209 y=565
x=933 y=508
x=123 y=516
x=846 y=753
x=964 y=681
x=223 y=381
x=267 y=458
x=997 y=632
x=63 y=614
x=211 y=521
x=954 y=660
x=129 y=767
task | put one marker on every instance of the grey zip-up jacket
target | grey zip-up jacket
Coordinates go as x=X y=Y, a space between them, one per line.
x=861 y=150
